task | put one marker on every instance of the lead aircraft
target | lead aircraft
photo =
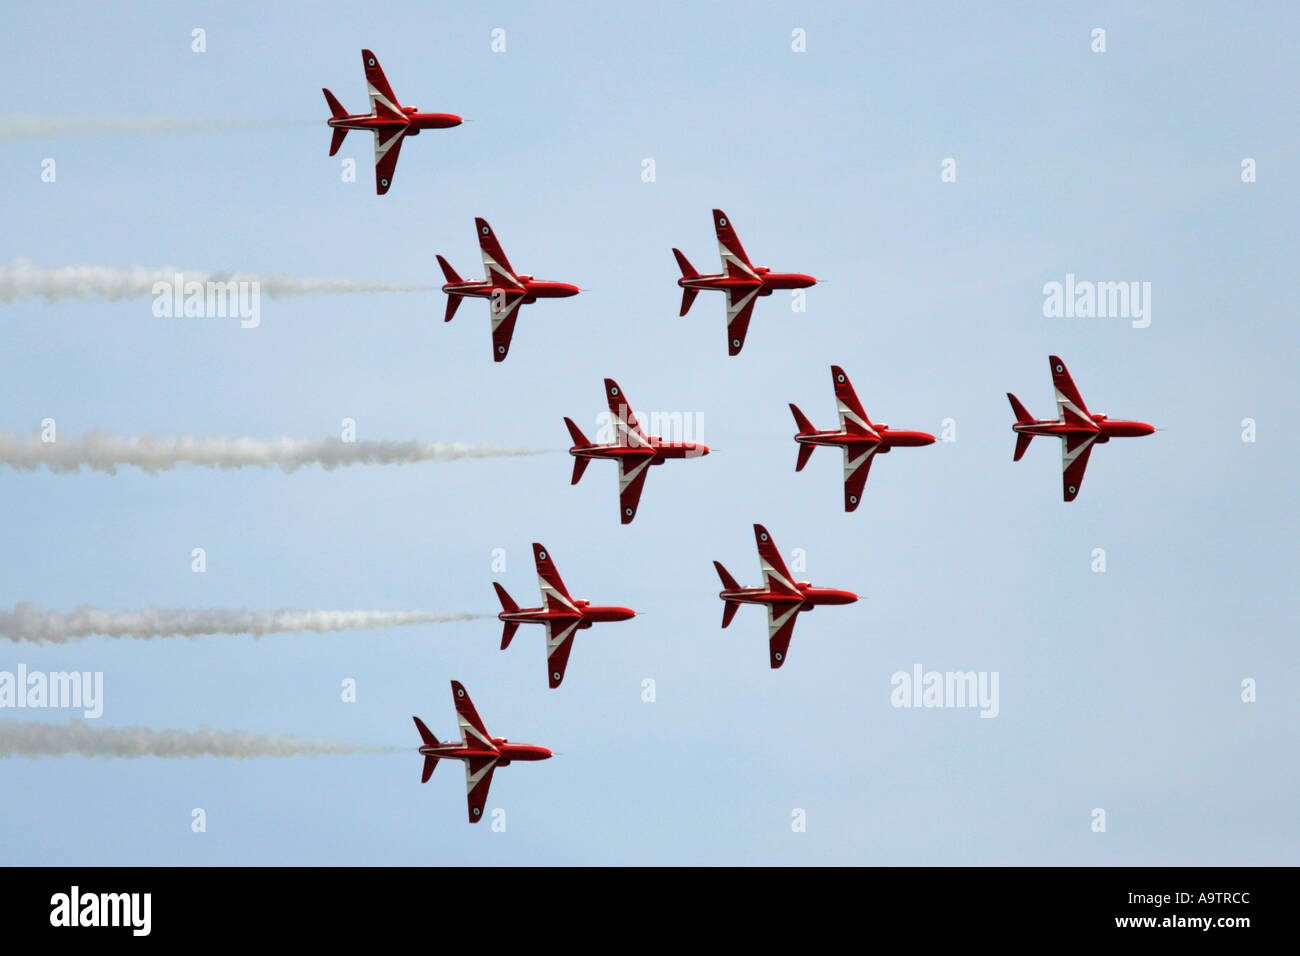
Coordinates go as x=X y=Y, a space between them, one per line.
x=481 y=752
x=1078 y=428
x=389 y=120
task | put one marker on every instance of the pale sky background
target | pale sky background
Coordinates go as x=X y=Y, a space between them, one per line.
x=1118 y=690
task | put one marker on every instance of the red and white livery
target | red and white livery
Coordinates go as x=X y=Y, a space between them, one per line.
x=784 y=596
x=389 y=120
x=1078 y=428
x=742 y=281
x=562 y=615
x=632 y=448
x=860 y=438
x=506 y=291
x=481 y=752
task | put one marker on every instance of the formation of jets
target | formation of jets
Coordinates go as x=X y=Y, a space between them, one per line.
x=635 y=452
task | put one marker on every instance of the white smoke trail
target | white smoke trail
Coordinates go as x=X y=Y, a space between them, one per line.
x=24 y=126
x=27 y=622
x=20 y=279
x=107 y=453
x=33 y=739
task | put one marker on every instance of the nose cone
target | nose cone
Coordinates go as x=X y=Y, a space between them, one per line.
x=622 y=613
x=804 y=281
x=565 y=290
x=1148 y=429
x=926 y=438
x=844 y=597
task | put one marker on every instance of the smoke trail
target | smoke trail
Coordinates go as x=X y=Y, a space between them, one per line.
x=32 y=739
x=23 y=126
x=20 y=279
x=27 y=622
x=107 y=453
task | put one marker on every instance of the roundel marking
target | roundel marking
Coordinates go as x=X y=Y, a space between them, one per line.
x=735 y=343
x=486 y=230
x=762 y=537
x=840 y=378
x=477 y=811
x=614 y=391
x=1059 y=368
x=501 y=350
x=778 y=656
x=370 y=61
x=1073 y=489
x=555 y=675
x=853 y=499
x=722 y=220
x=460 y=691
x=628 y=511
x=383 y=181
x=541 y=555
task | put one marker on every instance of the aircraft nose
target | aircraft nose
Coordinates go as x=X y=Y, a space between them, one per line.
x=926 y=438
x=567 y=290
x=1148 y=429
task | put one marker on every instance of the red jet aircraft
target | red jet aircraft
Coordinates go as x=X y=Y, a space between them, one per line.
x=504 y=290
x=1078 y=428
x=481 y=752
x=633 y=449
x=561 y=614
x=857 y=435
x=389 y=120
x=742 y=281
x=784 y=596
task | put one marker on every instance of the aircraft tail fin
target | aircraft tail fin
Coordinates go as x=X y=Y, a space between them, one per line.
x=688 y=272
x=448 y=271
x=729 y=609
x=509 y=606
x=1022 y=414
x=579 y=466
x=801 y=420
x=579 y=439
x=453 y=303
x=337 y=140
x=429 y=740
x=1022 y=444
x=336 y=108
x=805 y=452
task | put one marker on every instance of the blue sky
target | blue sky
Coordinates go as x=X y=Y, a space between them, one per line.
x=1118 y=690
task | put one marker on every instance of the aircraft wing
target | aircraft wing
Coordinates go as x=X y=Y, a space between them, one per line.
x=740 y=306
x=504 y=308
x=383 y=102
x=478 y=780
x=780 y=628
x=857 y=463
x=775 y=574
x=559 y=641
x=1069 y=403
x=386 y=152
x=495 y=264
x=734 y=260
x=853 y=419
x=1075 y=450
x=626 y=428
x=631 y=479
x=555 y=596
x=471 y=725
